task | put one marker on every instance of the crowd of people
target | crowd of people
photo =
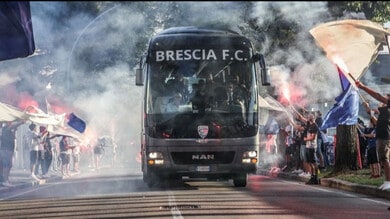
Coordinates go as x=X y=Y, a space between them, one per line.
x=301 y=144
x=304 y=147
x=45 y=153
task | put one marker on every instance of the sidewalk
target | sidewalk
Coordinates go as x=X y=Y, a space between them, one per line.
x=20 y=178
x=332 y=183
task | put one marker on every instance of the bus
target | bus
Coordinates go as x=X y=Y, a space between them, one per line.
x=190 y=127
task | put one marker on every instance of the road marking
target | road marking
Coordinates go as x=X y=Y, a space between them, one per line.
x=174 y=210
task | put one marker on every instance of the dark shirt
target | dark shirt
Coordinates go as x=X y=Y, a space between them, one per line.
x=370 y=141
x=303 y=133
x=63 y=145
x=8 y=138
x=48 y=146
x=383 y=122
x=319 y=122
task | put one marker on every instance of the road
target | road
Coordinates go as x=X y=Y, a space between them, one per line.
x=126 y=196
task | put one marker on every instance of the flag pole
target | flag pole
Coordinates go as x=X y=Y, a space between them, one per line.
x=360 y=95
x=293 y=108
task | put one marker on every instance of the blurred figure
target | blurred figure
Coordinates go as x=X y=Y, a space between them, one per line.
x=230 y=93
x=372 y=155
x=302 y=129
x=199 y=102
x=32 y=139
x=114 y=152
x=361 y=126
x=48 y=156
x=90 y=154
x=174 y=103
x=41 y=152
x=55 y=154
x=76 y=158
x=65 y=156
x=272 y=151
x=311 y=147
x=320 y=142
x=288 y=131
x=98 y=152
x=7 y=150
x=180 y=86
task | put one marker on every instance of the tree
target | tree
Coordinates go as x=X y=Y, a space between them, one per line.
x=377 y=11
x=346 y=149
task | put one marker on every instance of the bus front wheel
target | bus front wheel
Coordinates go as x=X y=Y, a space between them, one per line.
x=240 y=180
x=151 y=179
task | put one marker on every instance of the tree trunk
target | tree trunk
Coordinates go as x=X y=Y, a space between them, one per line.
x=346 y=149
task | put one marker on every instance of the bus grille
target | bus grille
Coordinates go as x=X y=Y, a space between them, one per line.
x=225 y=157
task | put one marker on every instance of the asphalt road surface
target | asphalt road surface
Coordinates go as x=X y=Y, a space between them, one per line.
x=126 y=196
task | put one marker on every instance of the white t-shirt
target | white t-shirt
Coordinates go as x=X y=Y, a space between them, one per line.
x=32 y=140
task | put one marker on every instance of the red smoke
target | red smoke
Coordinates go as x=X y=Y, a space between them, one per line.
x=290 y=94
x=26 y=100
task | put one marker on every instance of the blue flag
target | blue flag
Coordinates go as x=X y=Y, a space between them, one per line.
x=343 y=80
x=76 y=123
x=346 y=109
x=271 y=127
x=16 y=33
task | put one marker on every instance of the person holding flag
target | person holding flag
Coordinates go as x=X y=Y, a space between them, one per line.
x=382 y=131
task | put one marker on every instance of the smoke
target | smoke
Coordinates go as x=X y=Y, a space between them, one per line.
x=303 y=65
x=67 y=67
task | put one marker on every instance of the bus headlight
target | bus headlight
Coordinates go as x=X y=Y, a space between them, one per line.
x=155 y=158
x=249 y=157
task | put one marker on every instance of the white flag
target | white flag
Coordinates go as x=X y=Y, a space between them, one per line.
x=351 y=44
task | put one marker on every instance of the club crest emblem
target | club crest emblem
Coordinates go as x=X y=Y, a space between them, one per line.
x=203 y=130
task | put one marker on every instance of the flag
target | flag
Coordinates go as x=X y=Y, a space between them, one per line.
x=355 y=42
x=346 y=109
x=16 y=33
x=9 y=113
x=271 y=127
x=343 y=79
x=37 y=115
x=76 y=123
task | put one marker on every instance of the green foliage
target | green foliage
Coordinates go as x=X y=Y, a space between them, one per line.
x=377 y=11
x=361 y=177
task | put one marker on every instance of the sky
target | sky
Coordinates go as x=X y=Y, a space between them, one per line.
x=109 y=101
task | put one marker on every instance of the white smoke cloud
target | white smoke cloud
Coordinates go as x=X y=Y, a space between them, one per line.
x=108 y=100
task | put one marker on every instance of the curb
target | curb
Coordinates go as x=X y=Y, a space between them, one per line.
x=335 y=183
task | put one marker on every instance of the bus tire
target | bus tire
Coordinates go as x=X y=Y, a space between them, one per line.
x=240 y=180
x=151 y=179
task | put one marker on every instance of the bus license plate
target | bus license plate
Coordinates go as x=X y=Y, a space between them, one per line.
x=203 y=168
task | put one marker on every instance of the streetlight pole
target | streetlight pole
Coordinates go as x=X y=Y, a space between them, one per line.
x=75 y=43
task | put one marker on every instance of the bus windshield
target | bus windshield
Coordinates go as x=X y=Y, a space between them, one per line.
x=201 y=81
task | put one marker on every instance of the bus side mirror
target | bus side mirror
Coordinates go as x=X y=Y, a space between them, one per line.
x=265 y=73
x=265 y=77
x=139 y=77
